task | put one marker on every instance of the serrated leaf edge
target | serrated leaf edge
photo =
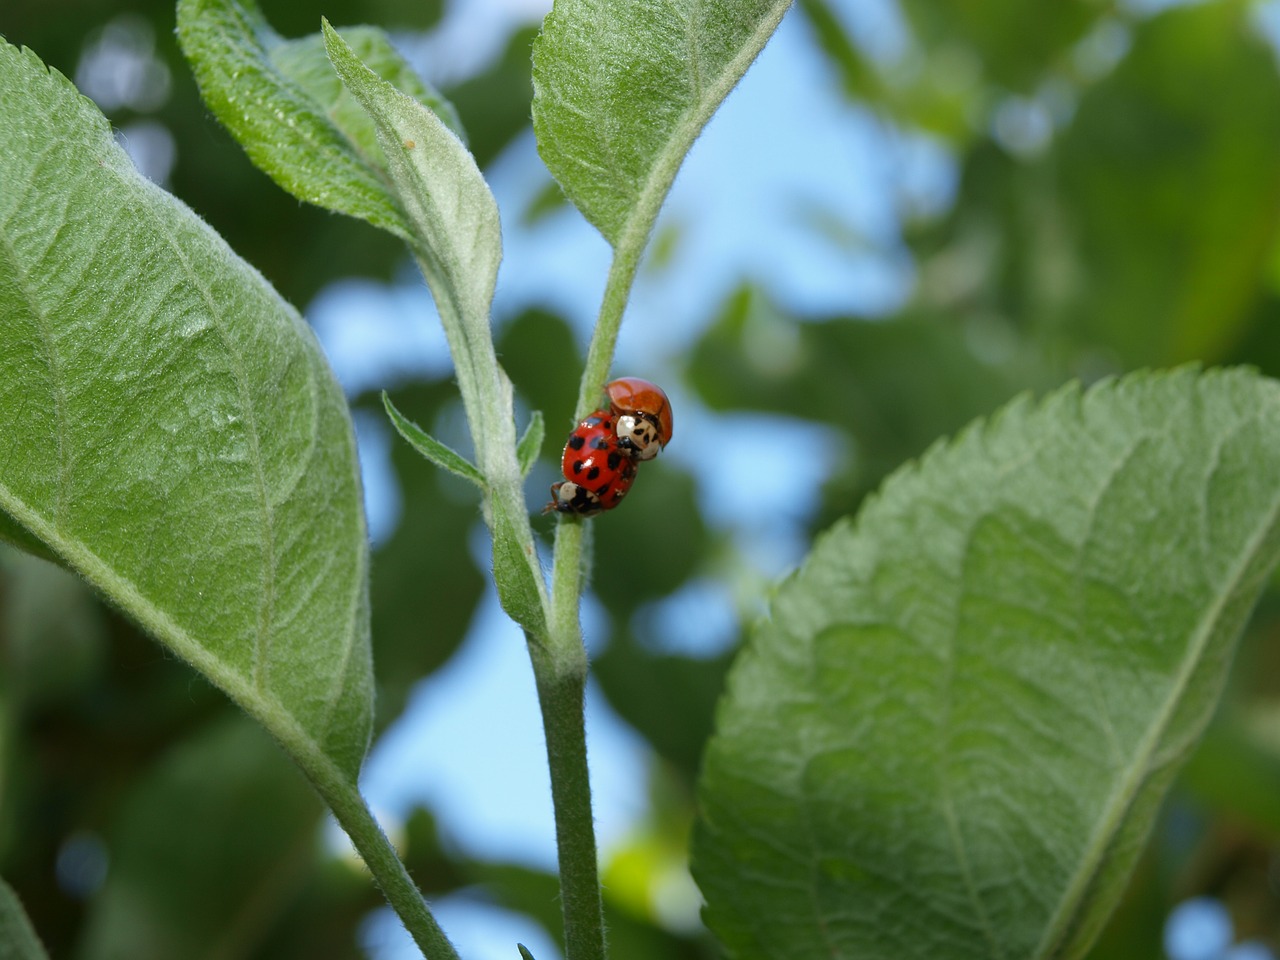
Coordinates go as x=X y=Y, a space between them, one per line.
x=1147 y=760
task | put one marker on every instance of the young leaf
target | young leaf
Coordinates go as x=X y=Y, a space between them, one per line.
x=531 y=443
x=515 y=570
x=438 y=453
x=621 y=91
x=305 y=62
x=453 y=216
x=953 y=734
x=18 y=941
x=171 y=431
x=458 y=242
x=282 y=102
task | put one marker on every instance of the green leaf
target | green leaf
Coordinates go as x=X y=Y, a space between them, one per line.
x=621 y=91
x=305 y=62
x=515 y=561
x=282 y=102
x=953 y=734
x=524 y=952
x=440 y=454
x=171 y=430
x=458 y=242
x=18 y=941
x=531 y=443
x=454 y=219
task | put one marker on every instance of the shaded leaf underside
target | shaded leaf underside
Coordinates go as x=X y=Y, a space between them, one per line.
x=953 y=734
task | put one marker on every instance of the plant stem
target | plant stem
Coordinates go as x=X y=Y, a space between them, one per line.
x=380 y=857
x=561 y=666
x=617 y=290
x=561 y=680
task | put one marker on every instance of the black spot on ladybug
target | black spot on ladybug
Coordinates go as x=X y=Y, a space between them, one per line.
x=593 y=473
x=576 y=441
x=599 y=443
x=577 y=466
x=615 y=458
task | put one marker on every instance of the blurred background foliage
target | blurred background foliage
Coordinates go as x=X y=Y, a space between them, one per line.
x=1116 y=205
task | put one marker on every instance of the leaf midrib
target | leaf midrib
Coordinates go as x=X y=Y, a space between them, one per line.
x=666 y=161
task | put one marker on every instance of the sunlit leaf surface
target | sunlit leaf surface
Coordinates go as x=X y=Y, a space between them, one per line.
x=622 y=90
x=171 y=430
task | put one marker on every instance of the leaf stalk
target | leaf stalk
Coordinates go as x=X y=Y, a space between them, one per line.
x=378 y=854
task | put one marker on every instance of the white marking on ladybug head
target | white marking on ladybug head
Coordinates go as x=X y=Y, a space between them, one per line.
x=638 y=434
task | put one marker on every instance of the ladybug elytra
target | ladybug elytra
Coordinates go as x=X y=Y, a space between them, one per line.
x=644 y=416
x=597 y=473
x=606 y=448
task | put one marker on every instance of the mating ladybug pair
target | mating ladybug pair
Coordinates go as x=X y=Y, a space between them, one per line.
x=605 y=449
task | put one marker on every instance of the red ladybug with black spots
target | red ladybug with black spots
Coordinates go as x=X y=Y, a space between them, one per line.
x=597 y=473
x=606 y=449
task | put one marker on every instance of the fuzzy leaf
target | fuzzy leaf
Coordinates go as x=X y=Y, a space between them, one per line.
x=171 y=430
x=282 y=102
x=453 y=216
x=458 y=242
x=515 y=562
x=953 y=734
x=531 y=443
x=621 y=91
x=18 y=941
x=440 y=454
x=305 y=62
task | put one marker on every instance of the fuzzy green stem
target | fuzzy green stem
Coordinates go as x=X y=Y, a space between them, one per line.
x=617 y=290
x=561 y=687
x=380 y=857
x=561 y=668
x=567 y=582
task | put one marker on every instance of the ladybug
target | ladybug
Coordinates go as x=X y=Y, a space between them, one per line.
x=643 y=415
x=597 y=472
